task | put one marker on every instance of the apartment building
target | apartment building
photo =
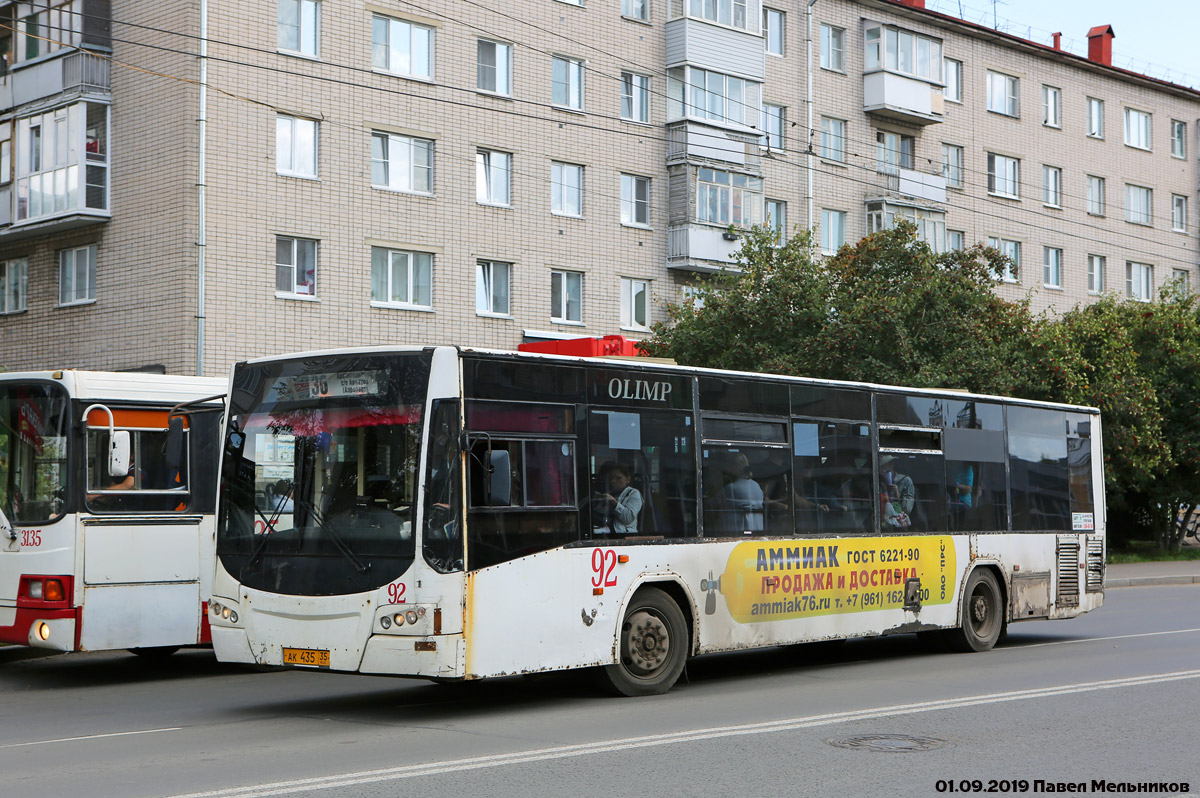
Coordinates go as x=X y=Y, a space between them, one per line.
x=186 y=183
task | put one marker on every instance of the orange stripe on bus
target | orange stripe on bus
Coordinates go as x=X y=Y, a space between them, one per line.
x=154 y=419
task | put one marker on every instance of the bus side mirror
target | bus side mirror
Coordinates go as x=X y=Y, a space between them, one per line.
x=173 y=450
x=118 y=453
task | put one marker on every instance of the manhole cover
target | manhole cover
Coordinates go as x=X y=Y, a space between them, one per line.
x=889 y=743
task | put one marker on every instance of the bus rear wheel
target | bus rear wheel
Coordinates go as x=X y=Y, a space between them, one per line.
x=653 y=642
x=982 y=614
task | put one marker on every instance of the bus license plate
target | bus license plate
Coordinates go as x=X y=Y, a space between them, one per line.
x=306 y=656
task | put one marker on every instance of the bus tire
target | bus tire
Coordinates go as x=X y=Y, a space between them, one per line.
x=653 y=643
x=982 y=614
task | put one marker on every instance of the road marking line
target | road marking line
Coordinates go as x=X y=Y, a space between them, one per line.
x=1019 y=647
x=91 y=737
x=608 y=746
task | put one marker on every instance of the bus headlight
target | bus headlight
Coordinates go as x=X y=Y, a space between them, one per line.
x=385 y=622
x=410 y=619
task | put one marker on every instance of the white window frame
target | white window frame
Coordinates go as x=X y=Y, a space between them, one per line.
x=499 y=71
x=955 y=240
x=71 y=273
x=296 y=290
x=1051 y=106
x=303 y=16
x=1052 y=259
x=894 y=151
x=1183 y=276
x=775 y=217
x=1139 y=205
x=952 y=165
x=774 y=35
x=57 y=25
x=733 y=13
x=1095 y=118
x=635 y=97
x=567 y=82
x=1051 y=186
x=719 y=195
x=713 y=96
x=833 y=48
x=490 y=165
x=773 y=124
x=14 y=286
x=1138 y=129
x=1096 y=265
x=61 y=162
x=400 y=159
x=1003 y=94
x=410 y=271
x=1178 y=139
x=635 y=209
x=493 y=286
x=1139 y=281
x=402 y=40
x=1179 y=212
x=1095 y=195
x=952 y=74
x=1004 y=176
x=631 y=290
x=833 y=139
x=904 y=52
x=296 y=138
x=833 y=230
x=636 y=9
x=1013 y=250
x=566 y=189
x=561 y=283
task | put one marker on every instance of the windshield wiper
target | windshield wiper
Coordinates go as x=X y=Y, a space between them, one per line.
x=268 y=529
x=338 y=542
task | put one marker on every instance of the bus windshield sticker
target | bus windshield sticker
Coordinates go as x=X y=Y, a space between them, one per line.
x=1082 y=522
x=624 y=431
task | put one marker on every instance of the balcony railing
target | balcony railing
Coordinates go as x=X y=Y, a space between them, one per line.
x=87 y=72
x=692 y=141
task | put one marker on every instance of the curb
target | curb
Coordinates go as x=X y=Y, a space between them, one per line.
x=1145 y=581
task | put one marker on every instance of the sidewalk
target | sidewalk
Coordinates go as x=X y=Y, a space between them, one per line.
x=1139 y=574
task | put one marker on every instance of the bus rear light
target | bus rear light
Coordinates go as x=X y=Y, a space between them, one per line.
x=53 y=590
x=35 y=590
x=44 y=591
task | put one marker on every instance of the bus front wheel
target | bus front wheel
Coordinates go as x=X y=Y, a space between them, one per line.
x=653 y=642
x=982 y=614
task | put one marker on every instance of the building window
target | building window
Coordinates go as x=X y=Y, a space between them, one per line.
x=635 y=97
x=1052 y=267
x=953 y=77
x=930 y=224
x=1095 y=195
x=401 y=47
x=952 y=165
x=493 y=177
x=299 y=30
x=1138 y=204
x=295 y=146
x=401 y=163
x=566 y=297
x=492 y=280
x=1095 y=274
x=1095 y=118
x=904 y=52
x=728 y=198
x=401 y=279
x=1139 y=281
x=893 y=151
x=52 y=149
x=634 y=294
x=833 y=230
x=566 y=82
x=955 y=240
x=1012 y=250
x=46 y=26
x=295 y=266
x=77 y=275
x=833 y=139
x=833 y=51
x=635 y=200
x=493 y=72
x=1137 y=129
x=1051 y=106
x=773 y=30
x=711 y=95
x=566 y=189
x=14 y=276
x=776 y=219
x=1004 y=176
x=1179 y=213
x=724 y=12
x=1003 y=94
x=1178 y=139
x=773 y=125
x=636 y=9
x=1184 y=278
x=1052 y=186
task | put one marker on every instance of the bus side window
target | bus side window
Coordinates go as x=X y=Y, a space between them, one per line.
x=442 y=541
x=152 y=484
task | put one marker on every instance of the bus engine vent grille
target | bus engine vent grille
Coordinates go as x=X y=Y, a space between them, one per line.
x=1095 y=565
x=1068 y=573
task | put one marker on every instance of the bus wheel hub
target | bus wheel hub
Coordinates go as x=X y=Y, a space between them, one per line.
x=647 y=642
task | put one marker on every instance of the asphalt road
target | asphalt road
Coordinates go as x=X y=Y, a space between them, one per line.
x=1112 y=696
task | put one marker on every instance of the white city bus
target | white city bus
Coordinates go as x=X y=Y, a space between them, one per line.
x=458 y=514
x=107 y=496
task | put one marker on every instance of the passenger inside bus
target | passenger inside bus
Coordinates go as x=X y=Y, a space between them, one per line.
x=618 y=504
x=742 y=499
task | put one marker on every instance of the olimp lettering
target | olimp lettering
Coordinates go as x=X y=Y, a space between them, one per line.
x=638 y=389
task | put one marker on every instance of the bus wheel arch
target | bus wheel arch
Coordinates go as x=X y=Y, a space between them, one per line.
x=983 y=611
x=652 y=643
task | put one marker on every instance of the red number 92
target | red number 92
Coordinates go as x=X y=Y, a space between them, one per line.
x=604 y=561
x=396 y=593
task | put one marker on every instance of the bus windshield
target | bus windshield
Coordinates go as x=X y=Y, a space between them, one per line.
x=319 y=473
x=33 y=452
